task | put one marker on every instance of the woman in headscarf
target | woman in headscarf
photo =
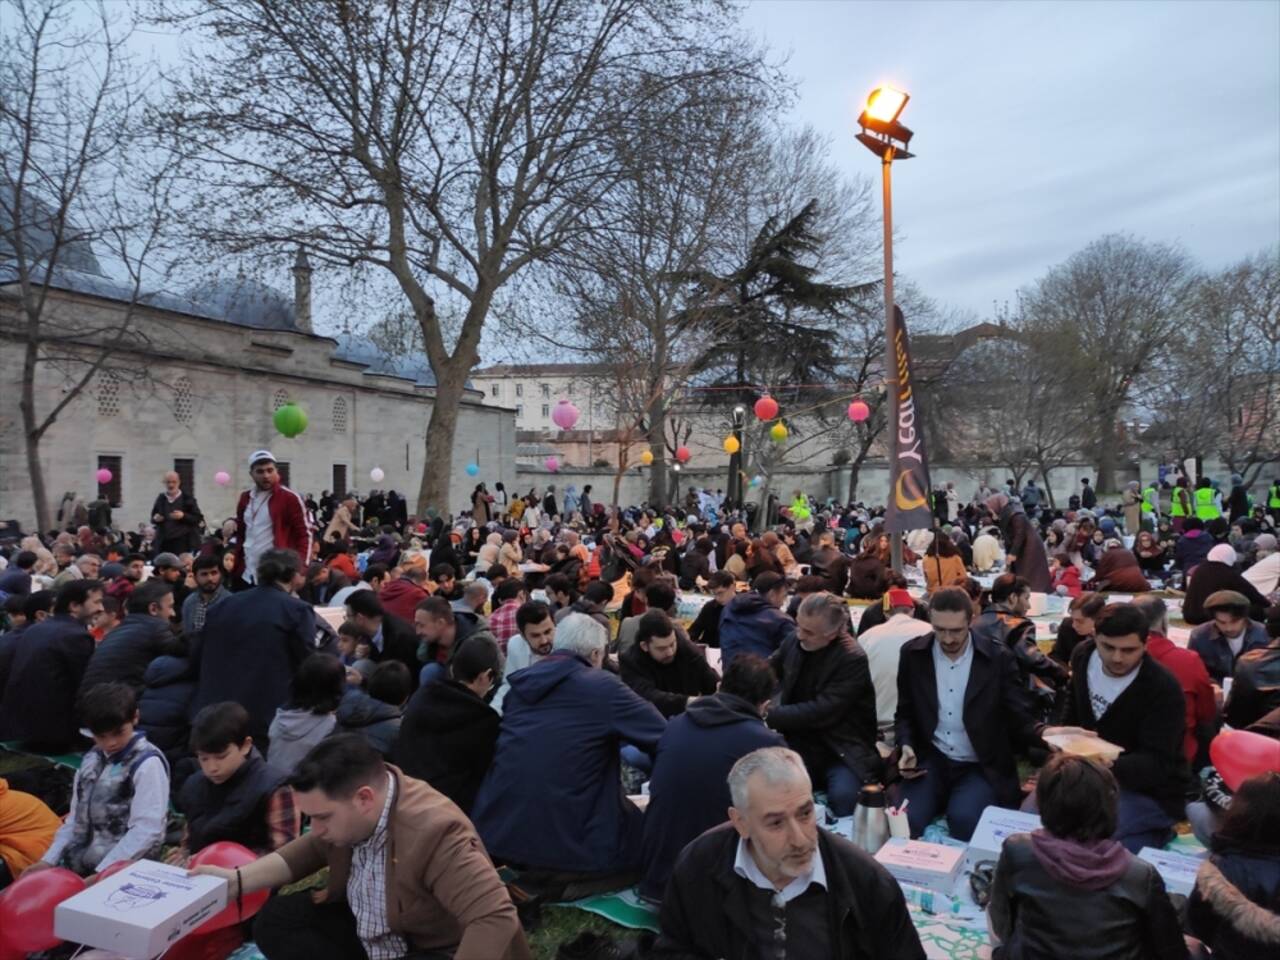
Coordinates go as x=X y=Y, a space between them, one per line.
x=480 y=501
x=1118 y=570
x=1024 y=550
x=1132 y=499
x=510 y=554
x=488 y=554
x=385 y=551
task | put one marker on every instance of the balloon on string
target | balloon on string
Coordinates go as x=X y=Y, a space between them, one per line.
x=222 y=478
x=731 y=445
x=858 y=411
x=755 y=481
x=104 y=476
x=1240 y=755
x=646 y=457
x=229 y=855
x=552 y=464
x=565 y=415
x=766 y=407
x=290 y=420
x=778 y=432
x=376 y=475
x=473 y=469
x=26 y=909
x=683 y=454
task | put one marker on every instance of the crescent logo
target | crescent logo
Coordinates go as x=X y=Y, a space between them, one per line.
x=908 y=499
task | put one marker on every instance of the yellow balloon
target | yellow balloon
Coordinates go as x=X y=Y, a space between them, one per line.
x=778 y=431
x=731 y=445
x=647 y=457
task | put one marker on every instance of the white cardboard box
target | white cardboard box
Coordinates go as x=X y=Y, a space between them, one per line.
x=994 y=826
x=1177 y=870
x=929 y=865
x=140 y=911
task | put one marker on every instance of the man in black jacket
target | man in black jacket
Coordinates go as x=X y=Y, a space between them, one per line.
x=391 y=637
x=771 y=883
x=1255 y=685
x=830 y=564
x=1128 y=699
x=1005 y=624
x=664 y=668
x=826 y=703
x=177 y=517
x=448 y=733
x=961 y=708
x=706 y=625
x=144 y=634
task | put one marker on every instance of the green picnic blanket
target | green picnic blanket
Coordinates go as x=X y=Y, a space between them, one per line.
x=71 y=760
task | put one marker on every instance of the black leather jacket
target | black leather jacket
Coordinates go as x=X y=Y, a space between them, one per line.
x=1005 y=628
x=1038 y=917
x=1255 y=687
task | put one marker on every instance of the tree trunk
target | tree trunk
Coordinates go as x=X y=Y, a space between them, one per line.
x=1048 y=487
x=658 y=447
x=451 y=384
x=32 y=437
x=1106 y=453
x=855 y=467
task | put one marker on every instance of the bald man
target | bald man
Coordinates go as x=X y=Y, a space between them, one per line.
x=177 y=518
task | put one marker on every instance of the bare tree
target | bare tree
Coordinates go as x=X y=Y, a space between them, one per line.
x=1106 y=314
x=76 y=183
x=451 y=143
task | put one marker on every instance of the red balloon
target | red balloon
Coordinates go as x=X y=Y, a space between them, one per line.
x=858 y=411
x=114 y=868
x=229 y=855
x=26 y=909
x=766 y=407
x=1240 y=755
x=683 y=454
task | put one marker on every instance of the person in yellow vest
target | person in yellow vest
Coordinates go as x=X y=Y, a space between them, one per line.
x=1273 y=500
x=1180 y=503
x=27 y=827
x=1151 y=502
x=800 y=512
x=1206 y=504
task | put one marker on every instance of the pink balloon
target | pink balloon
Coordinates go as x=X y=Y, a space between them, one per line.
x=105 y=476
x=858 y=411
x=222 y=478
x=565 y=415
x=26 y=909
x=552 y=464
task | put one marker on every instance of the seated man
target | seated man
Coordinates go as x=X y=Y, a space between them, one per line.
x=400 y=597
x=390 y=638
x=706 y=625
x=144 y=634
x=440 y=629
x=826 y=704
x=446 y=584
x=665 y=668
x=557 y=763
x=771 y=883
x=883 y=645
x=661 y=596
x=1188 y=669
x=407 y=874
x=753 y=622
x=507 y=598
x=1005 y=622
x=1118 y=691
x=1227 y=636
x=448 y=734
x=689 y=792
x=830 y=564
x=1255 y=689
x=961 y=708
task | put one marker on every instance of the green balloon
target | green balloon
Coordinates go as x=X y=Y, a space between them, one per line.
x=290 y=420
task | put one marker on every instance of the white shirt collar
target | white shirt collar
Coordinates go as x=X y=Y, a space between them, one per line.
x=745 y=866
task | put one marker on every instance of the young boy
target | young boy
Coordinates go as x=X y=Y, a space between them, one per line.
x=237 y=795
x=120 y=799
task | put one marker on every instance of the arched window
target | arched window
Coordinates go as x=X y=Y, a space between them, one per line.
x=340 y=415
x=183 y=402
x=281 y=398
x=108 y=395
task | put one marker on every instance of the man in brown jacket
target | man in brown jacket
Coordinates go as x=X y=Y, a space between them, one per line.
x=408 y=877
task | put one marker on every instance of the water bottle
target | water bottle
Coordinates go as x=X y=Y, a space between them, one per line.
x=870 y=824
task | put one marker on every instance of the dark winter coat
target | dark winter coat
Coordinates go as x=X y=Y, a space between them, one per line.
x=447 y=738
x=1191 y=550
x=689 y=790
x=1117 y=570
x=400 y=642
x=706 y=625
x=868 y=577
x=1212 y=576
x=707 y=911
x=251 y=645
x=830 y=563
x=751 y=624
x=668 y=686
x=553 y=798
x=127 y=651
x=164 y=705
x=377 y=722
x=1255 y=688
x=1208 y=642
x=1235 y=906
x=1023 y=542
x=178 y=536
x=234 y=811
x=45 y=666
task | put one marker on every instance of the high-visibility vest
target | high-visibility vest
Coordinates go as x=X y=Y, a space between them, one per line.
x=1273 y=496
x=1180 y=505
x=1206 y=509
x=1150 y=500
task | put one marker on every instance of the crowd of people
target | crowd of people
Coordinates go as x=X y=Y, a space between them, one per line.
x=493 y=686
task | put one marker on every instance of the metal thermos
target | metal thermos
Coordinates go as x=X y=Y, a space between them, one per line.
x=870 y=823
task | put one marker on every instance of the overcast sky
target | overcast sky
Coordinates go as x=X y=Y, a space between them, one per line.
x=1041 y=126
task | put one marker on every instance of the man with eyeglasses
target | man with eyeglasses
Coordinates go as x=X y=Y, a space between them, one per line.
x=961 y=707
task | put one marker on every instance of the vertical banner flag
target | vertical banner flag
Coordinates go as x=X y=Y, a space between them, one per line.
x=909 y=474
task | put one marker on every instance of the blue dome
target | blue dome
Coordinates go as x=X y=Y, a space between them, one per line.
x=246 y=302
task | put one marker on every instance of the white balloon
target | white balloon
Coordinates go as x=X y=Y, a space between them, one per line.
x=376 y=475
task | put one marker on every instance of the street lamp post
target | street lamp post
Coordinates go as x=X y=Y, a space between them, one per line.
x=734 y=488
x=884 y=136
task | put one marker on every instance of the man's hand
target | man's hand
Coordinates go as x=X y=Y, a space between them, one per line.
x=157 y=518
x=208 y=870
x=907 y=760
x=177 y=515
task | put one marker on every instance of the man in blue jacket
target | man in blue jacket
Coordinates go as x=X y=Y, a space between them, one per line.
x=552 y=802
x=689 y=791
x=753 y=622
x=252 y=644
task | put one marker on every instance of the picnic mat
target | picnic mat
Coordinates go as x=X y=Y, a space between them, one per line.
x=71 y=760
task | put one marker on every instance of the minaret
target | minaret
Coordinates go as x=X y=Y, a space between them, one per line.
x=302 y=291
